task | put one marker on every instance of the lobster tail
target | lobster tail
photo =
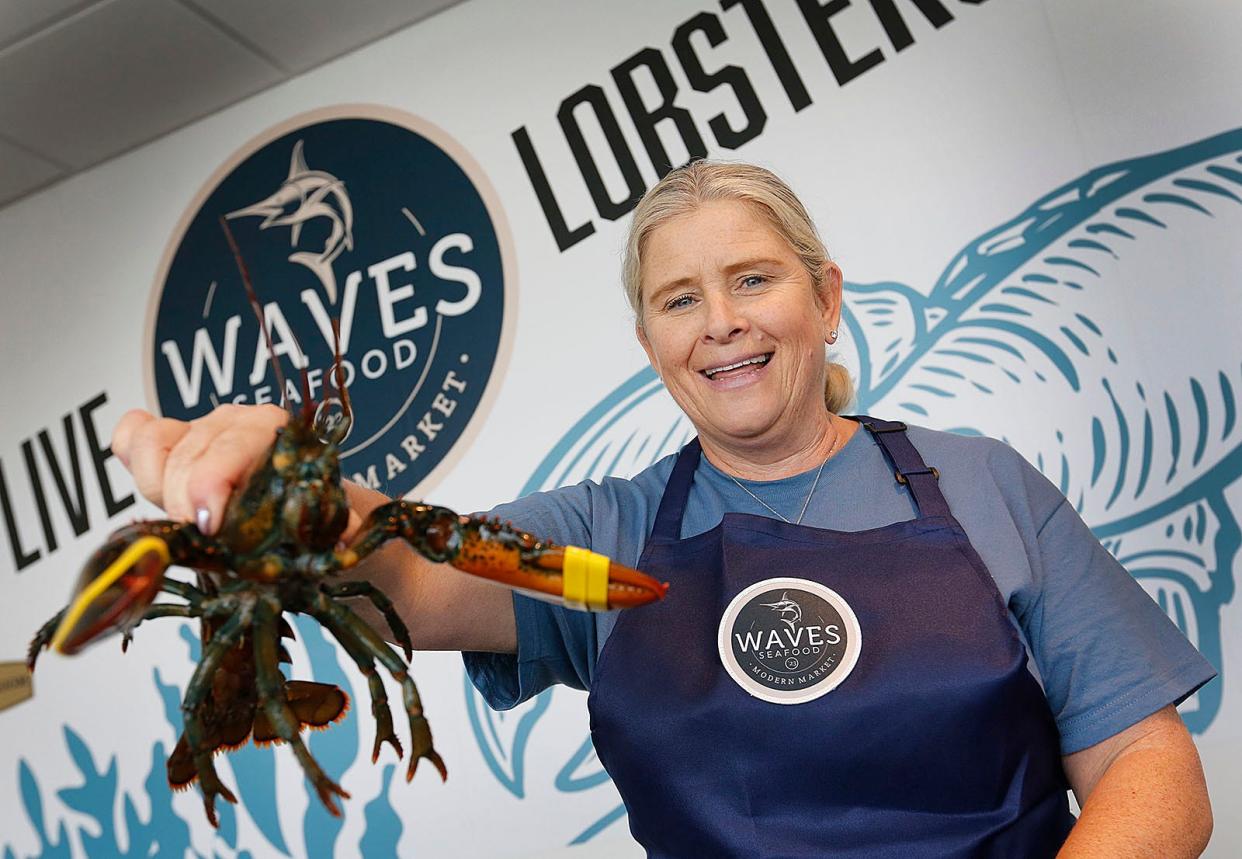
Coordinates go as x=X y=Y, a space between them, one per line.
x=314 y=705
x=181 y=770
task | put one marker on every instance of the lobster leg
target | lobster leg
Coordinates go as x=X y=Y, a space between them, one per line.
x=186 y=591
x=380 y=710
x=196 y=692
x=347 y=626
x=276 y=706
x=382 y=604
x=155 y=611
x=189 y=593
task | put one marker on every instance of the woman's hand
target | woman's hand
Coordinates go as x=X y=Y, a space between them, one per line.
x=190 y=468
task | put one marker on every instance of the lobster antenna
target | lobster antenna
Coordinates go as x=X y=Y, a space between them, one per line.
x=338 y=371
x=255 y=305
x=308 y=411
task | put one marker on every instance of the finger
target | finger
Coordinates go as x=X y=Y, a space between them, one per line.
x=149 y=445
x=191 y=461
x=183 y=460
x=123 y=434
x=228 y=460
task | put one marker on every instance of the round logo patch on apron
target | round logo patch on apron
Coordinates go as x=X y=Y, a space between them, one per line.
x=789 y=640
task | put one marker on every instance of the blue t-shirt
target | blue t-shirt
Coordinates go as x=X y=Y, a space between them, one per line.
x=1105 y=654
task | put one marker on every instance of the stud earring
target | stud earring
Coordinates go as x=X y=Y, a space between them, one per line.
x=832 y=336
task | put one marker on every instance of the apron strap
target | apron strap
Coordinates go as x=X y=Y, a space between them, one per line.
x=909 y=469
x=677 y=493
x=908 y=466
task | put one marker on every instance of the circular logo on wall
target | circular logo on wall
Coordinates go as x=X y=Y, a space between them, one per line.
x=361 y=217
x=788 y=640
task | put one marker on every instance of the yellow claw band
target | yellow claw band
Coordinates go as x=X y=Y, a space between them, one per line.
x=105 y=580
x=585 y=576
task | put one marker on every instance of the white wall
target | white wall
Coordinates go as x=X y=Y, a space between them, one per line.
x=916 y=159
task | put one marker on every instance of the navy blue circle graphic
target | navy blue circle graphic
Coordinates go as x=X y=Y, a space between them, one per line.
x=357 y=219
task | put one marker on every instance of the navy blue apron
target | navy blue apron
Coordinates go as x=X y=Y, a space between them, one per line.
x=937 y=742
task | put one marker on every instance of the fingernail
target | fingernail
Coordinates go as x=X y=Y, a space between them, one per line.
x=202 y=518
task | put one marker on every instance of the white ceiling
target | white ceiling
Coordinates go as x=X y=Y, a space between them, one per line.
x=82 y=81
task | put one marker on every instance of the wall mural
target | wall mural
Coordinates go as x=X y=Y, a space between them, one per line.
x=1011 y=329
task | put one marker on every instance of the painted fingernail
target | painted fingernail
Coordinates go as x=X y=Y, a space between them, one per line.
x=202 y=518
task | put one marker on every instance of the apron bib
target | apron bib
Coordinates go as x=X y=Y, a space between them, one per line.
x=805 y=692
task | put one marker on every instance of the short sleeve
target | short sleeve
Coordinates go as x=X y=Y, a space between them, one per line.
x=555 y=645
x=1107 y=654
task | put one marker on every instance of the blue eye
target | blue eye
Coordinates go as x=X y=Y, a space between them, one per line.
x=754 y=280
x=679 y=302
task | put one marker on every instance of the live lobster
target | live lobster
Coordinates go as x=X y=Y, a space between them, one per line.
x=278 y=551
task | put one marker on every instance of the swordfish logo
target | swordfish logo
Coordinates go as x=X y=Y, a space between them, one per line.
x=362 y=215
x=790 y=611
x=304 y=195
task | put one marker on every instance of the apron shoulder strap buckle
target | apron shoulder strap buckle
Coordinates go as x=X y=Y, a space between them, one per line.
x=887 y=426
x=901 y=478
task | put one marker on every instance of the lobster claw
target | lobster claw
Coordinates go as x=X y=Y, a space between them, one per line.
x=113 y=592
x=574 y=577
x=589 y=581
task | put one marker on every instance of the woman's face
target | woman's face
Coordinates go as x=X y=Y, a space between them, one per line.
x=733 y=325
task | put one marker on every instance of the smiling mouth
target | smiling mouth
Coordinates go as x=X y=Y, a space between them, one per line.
x=756 y=361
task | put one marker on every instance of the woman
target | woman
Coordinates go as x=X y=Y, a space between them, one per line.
x=840 y=665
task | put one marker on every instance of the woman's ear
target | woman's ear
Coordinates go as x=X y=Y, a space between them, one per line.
x=828 y=294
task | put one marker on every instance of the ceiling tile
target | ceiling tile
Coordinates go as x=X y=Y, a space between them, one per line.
x=118 y=75
x=300 y=34
x=21 y=18
x=21 y=172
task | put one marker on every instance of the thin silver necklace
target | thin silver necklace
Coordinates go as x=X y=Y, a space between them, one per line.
x=805 y=503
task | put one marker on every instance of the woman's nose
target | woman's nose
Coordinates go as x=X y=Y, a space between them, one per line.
x=724 y=319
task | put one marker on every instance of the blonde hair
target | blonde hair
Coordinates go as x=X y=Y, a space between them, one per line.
x=685 y=189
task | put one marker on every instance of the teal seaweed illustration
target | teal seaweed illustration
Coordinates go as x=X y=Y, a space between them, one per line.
x=165 y=833
x=162 y=834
